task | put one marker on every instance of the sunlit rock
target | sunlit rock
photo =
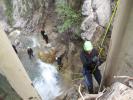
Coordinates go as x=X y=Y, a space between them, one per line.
x=97 y=14
x=47 y=56
x=103 y=10
x=87 y=8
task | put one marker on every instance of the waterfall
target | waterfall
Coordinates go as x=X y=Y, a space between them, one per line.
x=47 y=84
x=45 y=77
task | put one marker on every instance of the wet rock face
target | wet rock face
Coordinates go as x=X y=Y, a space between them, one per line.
x=3 y=19
x=28 y=13
x=97 y=14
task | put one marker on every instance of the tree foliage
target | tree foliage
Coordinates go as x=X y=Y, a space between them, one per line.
x=69 y=17
x=9 y=11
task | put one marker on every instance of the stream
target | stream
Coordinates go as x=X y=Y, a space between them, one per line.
x=44 y=76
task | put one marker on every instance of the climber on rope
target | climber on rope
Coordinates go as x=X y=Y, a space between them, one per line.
x=90 y=60
x=44 y=35
x=30 y=52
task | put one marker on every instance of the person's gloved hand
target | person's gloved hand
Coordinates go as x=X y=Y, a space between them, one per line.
x=95 y=59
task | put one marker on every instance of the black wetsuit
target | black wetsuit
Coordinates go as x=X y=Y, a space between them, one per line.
x=90 y=61
x=45 y=36
x=30 y=52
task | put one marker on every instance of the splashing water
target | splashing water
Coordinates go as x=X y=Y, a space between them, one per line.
x=35 y=42
x=47 y=84
x=45 y=77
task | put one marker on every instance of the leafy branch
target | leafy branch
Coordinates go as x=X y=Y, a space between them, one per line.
x=69 y=17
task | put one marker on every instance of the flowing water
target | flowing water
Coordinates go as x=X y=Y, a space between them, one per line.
x=47 y=84
x=45 y=77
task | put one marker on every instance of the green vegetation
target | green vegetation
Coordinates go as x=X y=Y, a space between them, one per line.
x=69 y=18
x=9 y=11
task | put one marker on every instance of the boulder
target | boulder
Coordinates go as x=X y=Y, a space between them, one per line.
x=118 y=91
x=97 y=14
x=103 y=10
x=87 y=8
x=47 y=56
x=89 y=33
x=88 y=22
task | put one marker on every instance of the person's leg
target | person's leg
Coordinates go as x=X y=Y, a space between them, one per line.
x=46 y=39
x=30 y=56
x=97 y=75
x=42 y=34
x=88 y=81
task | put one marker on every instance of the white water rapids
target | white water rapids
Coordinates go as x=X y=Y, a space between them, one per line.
x=45 y=77
x=47 y=84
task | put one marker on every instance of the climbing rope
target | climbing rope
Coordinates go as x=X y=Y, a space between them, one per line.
x=106 y=32
x=117 y=4
x=104 y=37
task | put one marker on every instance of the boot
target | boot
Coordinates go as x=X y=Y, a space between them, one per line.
x=90 y=90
